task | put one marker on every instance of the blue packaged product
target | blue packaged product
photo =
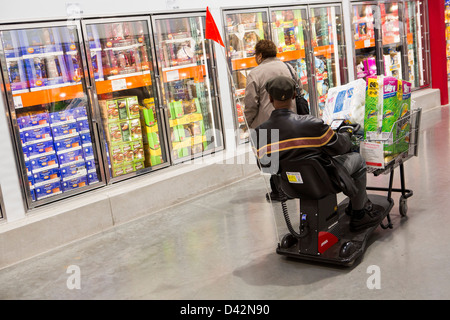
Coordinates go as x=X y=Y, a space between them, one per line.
x=63 y=130
x=70 y=156
x=61 y=116
x=41 y=177
x=38 y=133
x=48 y=190
x=28 y=167
x=38 y=119
x=86 y=137
x=40 y=147
x=90 y=165
x=83 y=125
x=88 y=151
x=68 y=143
x=80 y=112
x=73 y=170
x=92 y=178
x=23 y=121
x=31 y=41
x=74 y=183
x=36 y=72
x=47 y=161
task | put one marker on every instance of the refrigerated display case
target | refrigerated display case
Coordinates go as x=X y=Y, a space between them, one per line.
x=189 y=94
x=121 y=66
x=44 y=73
x=393 y=46
x=289 y=29
x=364 y=34
x=328 y=46
x=243 y=29
x=416 y=31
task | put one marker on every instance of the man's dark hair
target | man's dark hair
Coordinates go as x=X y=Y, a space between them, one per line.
x=267 y=48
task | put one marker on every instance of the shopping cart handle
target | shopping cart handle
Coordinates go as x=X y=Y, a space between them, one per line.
x=350 y=128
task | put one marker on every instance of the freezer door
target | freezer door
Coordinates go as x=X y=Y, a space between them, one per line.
x=328 y=47
x=51 y=117
x=121 y=65
x=188 y=90
x=243 y=29
x=289 y=28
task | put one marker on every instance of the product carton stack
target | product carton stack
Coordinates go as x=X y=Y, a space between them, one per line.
x=152 y=146
x=388 y=101
x=122 y=124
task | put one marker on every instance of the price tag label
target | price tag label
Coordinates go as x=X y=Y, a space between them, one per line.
x=118 y=84
x=372 y=152
x=366 y=43
x=18 y=102
x=172 y=75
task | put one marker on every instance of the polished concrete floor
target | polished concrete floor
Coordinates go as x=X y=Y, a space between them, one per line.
x=222 y=246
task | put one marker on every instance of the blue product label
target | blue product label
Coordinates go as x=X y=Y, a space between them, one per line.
x=83 y=125
x=77 y=169
x=86 y=137
x=70 y=156
x=65 y=129
x=40 y=133
x=38 y=148
x=61 y=116
x=45 y=175
x=92 y=178
x=68 y=143
x=47 y=190
x=74 y=183
x=90 y=165
x=88 y=151
x=80 y=112
x=44 y=162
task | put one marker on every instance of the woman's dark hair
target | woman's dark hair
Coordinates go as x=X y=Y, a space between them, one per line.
x=267 y=48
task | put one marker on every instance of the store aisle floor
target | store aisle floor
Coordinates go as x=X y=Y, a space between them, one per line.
x=222 y=246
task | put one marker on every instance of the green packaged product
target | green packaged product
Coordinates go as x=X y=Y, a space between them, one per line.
x=373 y=108
x=403 y=127
x=390 y=113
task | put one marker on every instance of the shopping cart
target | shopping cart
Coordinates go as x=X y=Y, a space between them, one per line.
x=398 y=145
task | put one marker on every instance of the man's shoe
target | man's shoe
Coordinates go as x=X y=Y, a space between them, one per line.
x=368 y=217
x=275 y=196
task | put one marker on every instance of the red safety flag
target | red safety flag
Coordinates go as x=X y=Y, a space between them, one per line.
x=211 y=29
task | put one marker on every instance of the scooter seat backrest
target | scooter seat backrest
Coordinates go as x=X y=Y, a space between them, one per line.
x=305 y=179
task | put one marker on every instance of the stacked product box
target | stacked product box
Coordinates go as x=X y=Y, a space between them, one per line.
x=387 y=101
x=14 y=61
x=122 y=124
x=40 y=155
x=151 y=142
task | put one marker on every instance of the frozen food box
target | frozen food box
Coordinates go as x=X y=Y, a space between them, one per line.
x=148 y=112
x=17 y=75
x=92 y=178
x=135 y=129
x=138 y=150
x=23 y=120
x=67 y=143
x=83 y=125
x=65 y=129
x=122 y=108
x=109 y=110
x=47 y=190
x=138 y=165
x=88 y=151
x=73 y=170
x=37 y=148
x=41 y=177
x=153 y=140
x=114 y=132
x=127 y=150
x=86 y=137
x=128 y=167
x=74 y=183
x=70 y=156
x=132 y=107
x=117 y=157
x=125 y=130
x=39 y=133
x=90 y=165
x=57 y=117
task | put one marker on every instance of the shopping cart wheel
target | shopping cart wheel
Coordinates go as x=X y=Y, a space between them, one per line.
x=403 y=206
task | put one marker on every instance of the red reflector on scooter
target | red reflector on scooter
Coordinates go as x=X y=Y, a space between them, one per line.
x=325 y=241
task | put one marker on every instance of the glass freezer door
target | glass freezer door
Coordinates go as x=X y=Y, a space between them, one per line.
x=364 y=34
x=289 y=33
x=120 y=62
x=327 y=38
x=185 y=65
x=242 y=31
x=392 y=32
x=50 y=111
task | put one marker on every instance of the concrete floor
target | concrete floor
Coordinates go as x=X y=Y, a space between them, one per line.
x=222 y=246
